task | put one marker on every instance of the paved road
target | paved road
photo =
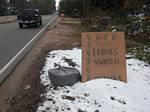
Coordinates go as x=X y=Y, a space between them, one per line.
x=13 y=39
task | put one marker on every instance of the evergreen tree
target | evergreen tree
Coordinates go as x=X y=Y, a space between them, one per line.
x=3 y=7
x=45 y=6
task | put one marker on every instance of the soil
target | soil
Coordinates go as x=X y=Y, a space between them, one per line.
x=21 y=90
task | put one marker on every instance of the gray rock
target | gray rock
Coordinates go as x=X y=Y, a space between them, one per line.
x=64 y=76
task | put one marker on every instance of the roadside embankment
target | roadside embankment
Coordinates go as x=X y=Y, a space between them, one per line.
x=7 y=19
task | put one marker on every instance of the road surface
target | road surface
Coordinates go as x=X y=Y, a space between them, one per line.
x=13 y=39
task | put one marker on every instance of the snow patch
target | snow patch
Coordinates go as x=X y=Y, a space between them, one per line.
x=99 y=95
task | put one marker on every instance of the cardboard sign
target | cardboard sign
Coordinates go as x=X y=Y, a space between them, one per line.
x=103 y=56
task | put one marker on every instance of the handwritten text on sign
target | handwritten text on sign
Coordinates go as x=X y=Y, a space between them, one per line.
x=103 y=56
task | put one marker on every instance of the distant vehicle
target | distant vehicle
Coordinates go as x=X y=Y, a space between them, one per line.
x=75 y=13
x=141 y=16
x=29 y=17
x=144 y=17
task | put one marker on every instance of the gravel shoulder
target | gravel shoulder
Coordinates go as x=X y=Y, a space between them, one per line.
x=21 y=90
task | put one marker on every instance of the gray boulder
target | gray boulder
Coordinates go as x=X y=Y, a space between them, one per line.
x=64 y=76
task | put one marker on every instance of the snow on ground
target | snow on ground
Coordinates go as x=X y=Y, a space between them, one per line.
x=99 y=95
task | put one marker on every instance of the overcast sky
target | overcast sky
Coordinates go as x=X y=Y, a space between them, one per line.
x=57 y=3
